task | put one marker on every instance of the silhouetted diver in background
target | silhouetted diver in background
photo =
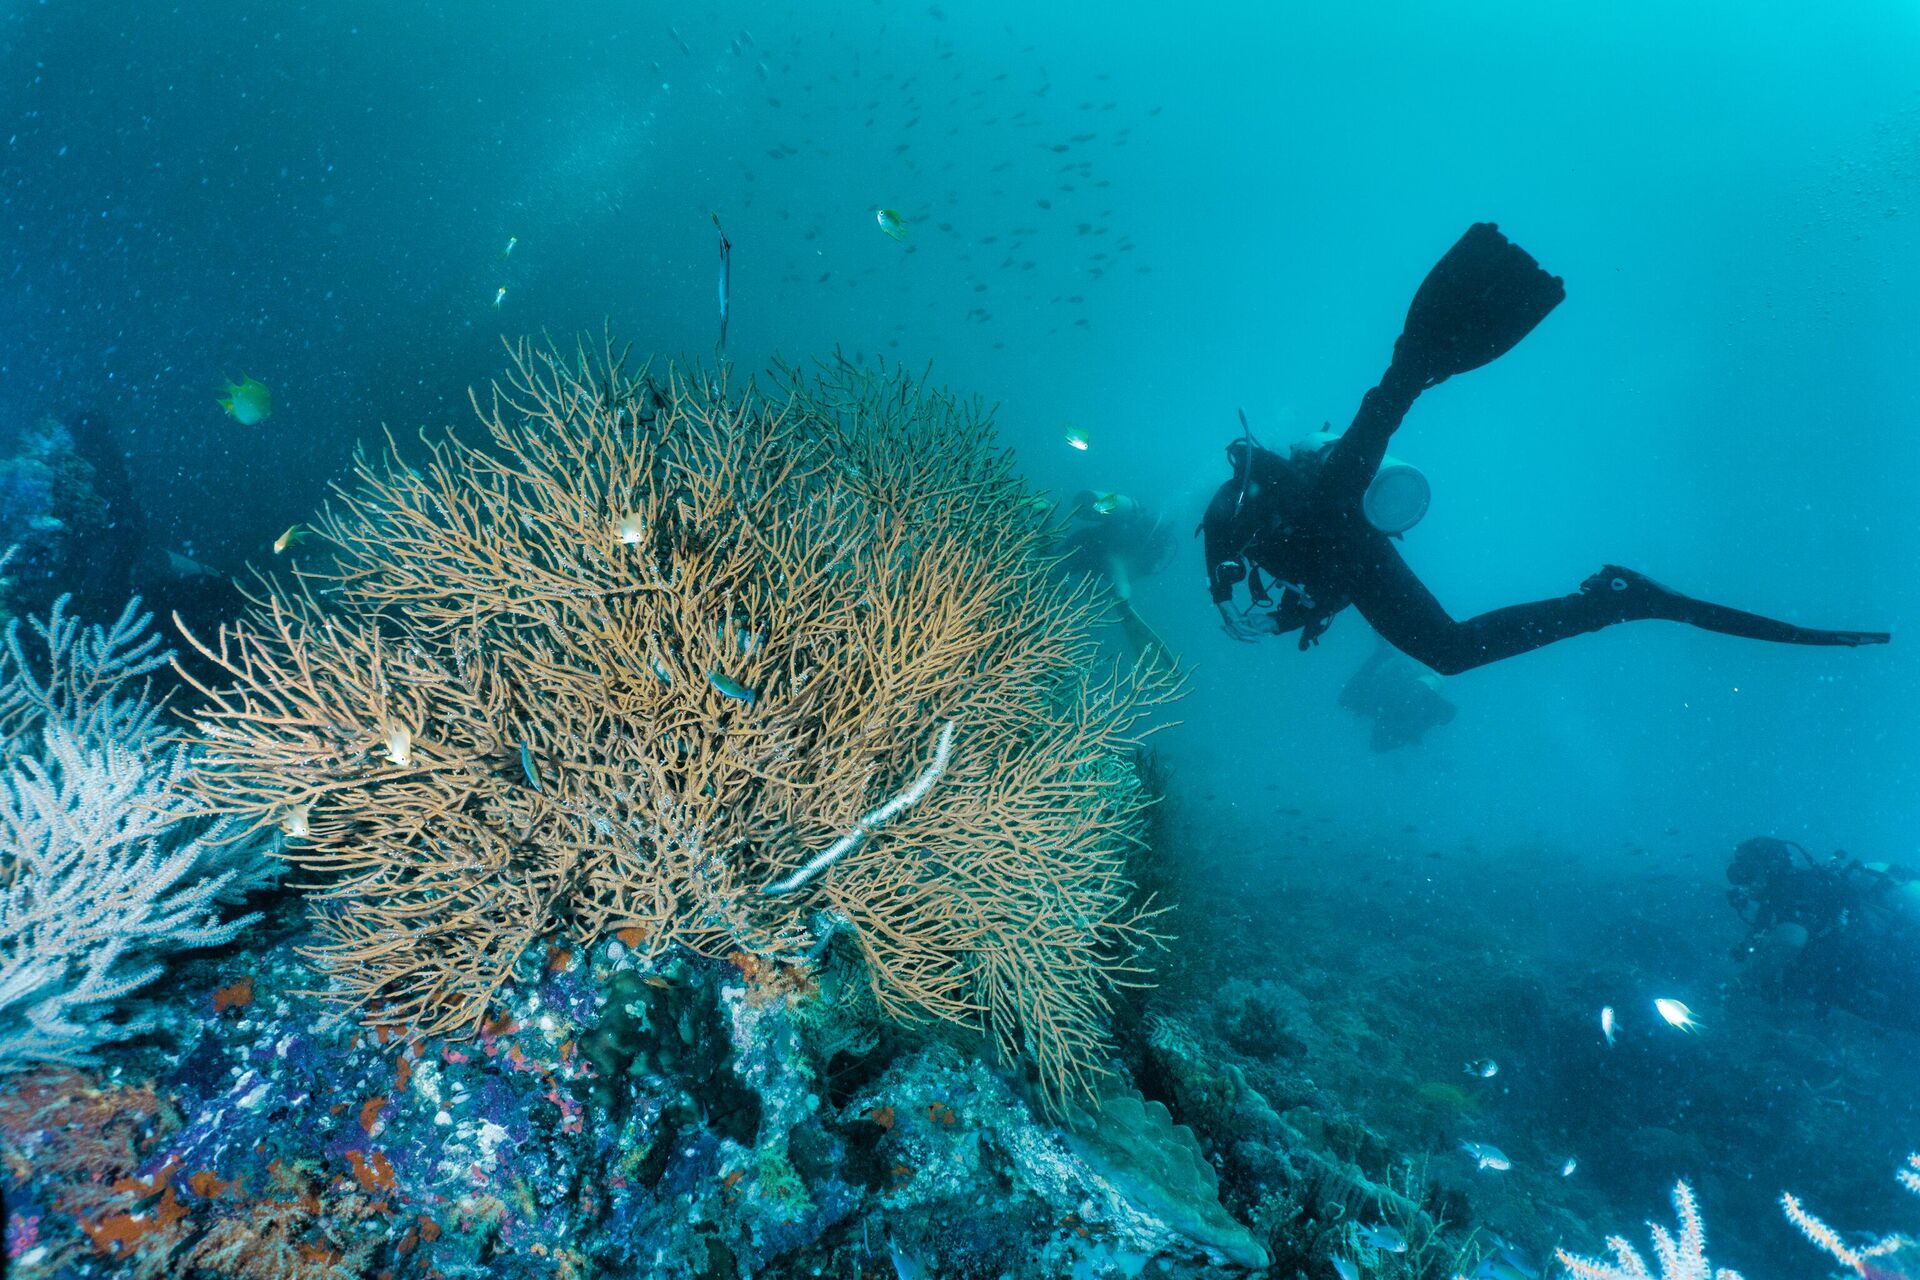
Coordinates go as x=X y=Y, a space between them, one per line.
x=1302 y=521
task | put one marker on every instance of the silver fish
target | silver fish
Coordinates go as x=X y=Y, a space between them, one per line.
x=1384 y=1238
x=1507 y=1262
x=1487 y=1156
x=1502 y=1269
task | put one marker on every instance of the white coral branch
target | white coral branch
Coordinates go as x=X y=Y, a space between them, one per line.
x=1827 y=1239
x=1681 y=1259
x=100 y=877
x=869 y=823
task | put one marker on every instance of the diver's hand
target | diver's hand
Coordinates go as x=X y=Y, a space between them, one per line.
x=1235 y=624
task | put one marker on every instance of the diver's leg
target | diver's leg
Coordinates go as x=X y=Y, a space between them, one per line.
x=1355 y=457
x=1420 y=628
x=1142 y=641
x=1483 y=296
x=1398 y=606
x=1405 y=614
x=1119 y=578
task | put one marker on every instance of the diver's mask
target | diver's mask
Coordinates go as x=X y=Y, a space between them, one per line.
x=1231 y=573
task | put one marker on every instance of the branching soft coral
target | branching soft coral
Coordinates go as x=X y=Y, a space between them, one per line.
x=1684 y=1258
x=661 y=644
x=1864 y=1260
x=100 y=879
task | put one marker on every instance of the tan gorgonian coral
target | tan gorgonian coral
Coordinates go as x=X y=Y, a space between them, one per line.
x=656 y=646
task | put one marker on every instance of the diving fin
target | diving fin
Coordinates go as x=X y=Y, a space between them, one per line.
x=1629 y=596
x=1476 y=304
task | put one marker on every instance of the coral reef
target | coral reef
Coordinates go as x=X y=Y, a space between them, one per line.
x=1684 y=1258
x=1868 y=1261
x=101 y=879
x=708 y=1119
x=627 y=669
x=1156 y=1164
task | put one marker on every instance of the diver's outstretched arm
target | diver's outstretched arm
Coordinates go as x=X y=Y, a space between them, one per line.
x=1399 y=606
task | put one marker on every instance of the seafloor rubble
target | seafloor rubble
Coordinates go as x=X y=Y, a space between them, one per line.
x=707 y=1120
x=716 y=1119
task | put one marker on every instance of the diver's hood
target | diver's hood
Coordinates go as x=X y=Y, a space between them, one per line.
x=1398 y=497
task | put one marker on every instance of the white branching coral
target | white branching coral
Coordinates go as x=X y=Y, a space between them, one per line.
x=1684 y=1258
x=1862 y=1260
x=100 y=880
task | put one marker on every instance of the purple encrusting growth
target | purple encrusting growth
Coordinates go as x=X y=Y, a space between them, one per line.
x=607 y=1120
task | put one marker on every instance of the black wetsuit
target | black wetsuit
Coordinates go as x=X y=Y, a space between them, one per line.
x=1304 y=525
x=1859 y=953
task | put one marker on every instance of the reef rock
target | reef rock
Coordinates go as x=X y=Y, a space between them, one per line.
x=702 y=1120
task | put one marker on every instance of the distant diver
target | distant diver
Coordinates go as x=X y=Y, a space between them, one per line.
x=1838 y=933
x=1304 y=521
x=1116 y=539
x=1402 y=701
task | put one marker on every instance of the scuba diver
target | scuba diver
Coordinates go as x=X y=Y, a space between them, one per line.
x=1401 y=700
x=1305 y=520
x=1839 y=933
x=71 y=514
x=1115 y=538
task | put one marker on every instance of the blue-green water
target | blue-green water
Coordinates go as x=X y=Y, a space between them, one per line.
x=1139 y=219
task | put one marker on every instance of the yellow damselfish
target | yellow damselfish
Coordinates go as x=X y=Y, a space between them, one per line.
x=248 y=401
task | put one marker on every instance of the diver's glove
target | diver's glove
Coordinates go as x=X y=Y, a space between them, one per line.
x=1222 y=578
x=1239 y=625
x=1314 y=627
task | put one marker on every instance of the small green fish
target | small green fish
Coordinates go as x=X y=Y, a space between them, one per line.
x=660 y=669
x=248 y=401
x=892 y=223
x=527 y=767
x=732 y=688
x=1077 y=438
x=1107 y=503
